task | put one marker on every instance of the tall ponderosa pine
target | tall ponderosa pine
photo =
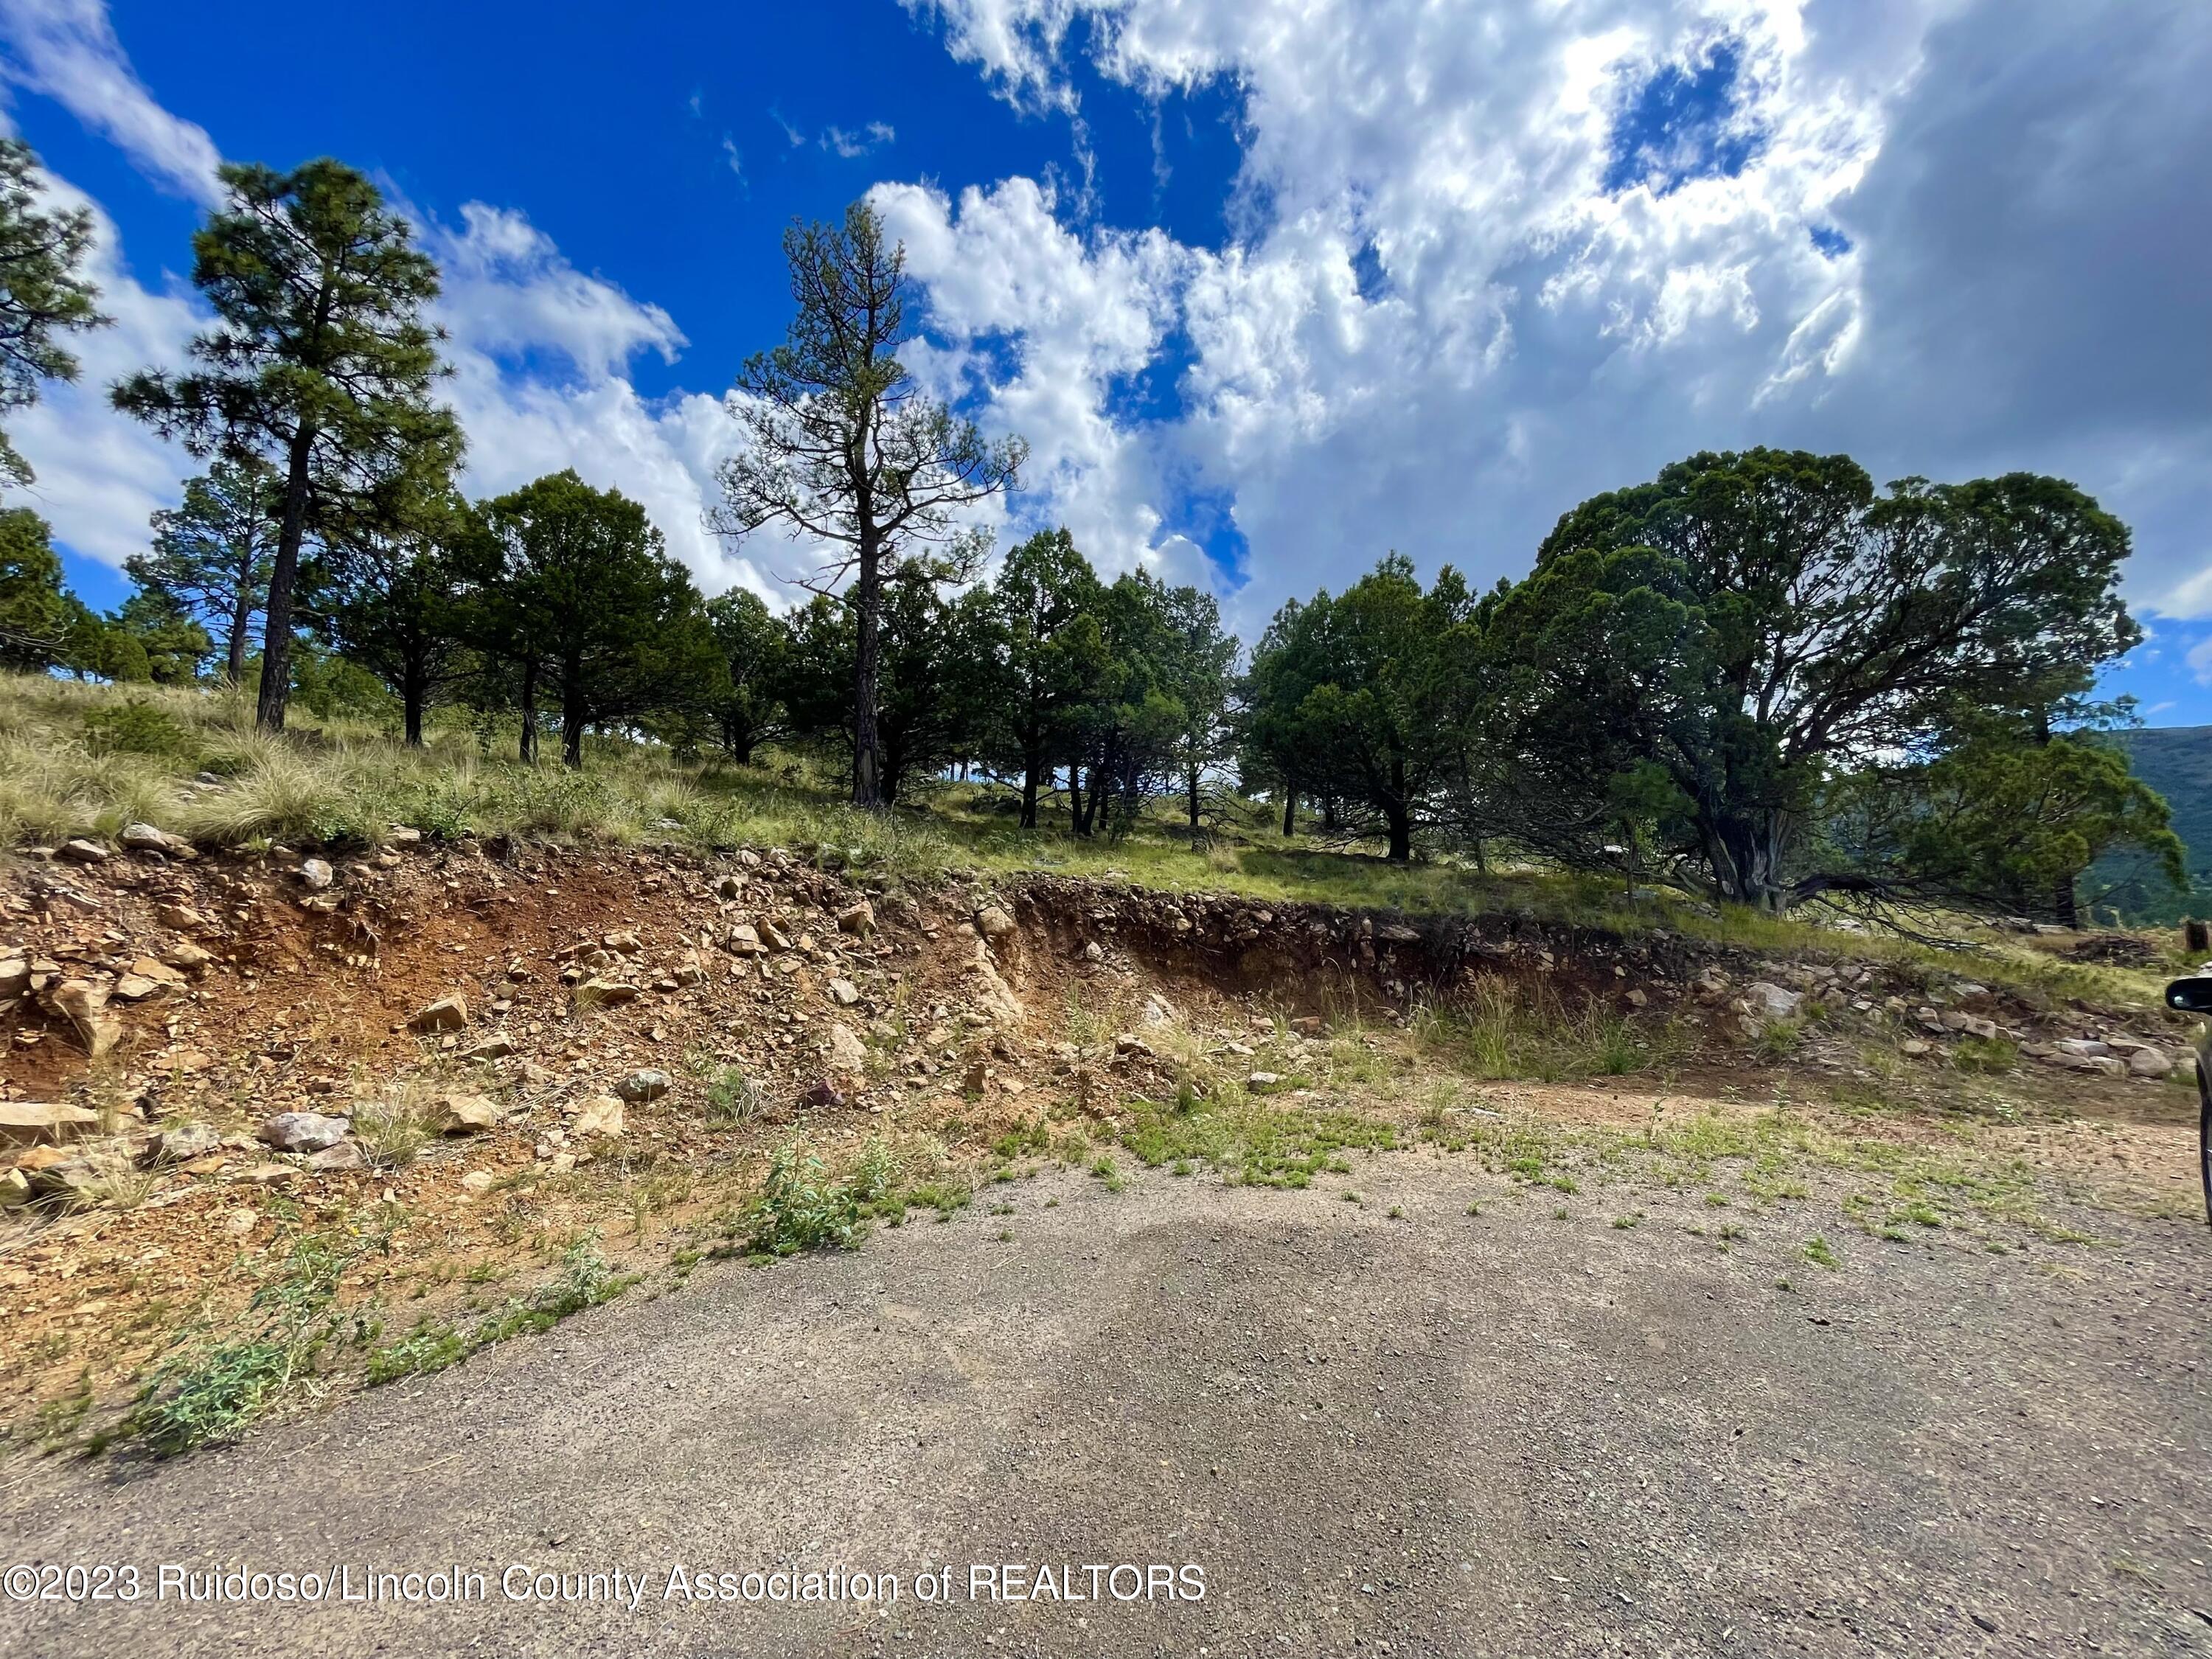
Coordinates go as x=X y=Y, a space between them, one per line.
x=320 y=362
x=213 y=553
x=43 y=295
x=843 y=448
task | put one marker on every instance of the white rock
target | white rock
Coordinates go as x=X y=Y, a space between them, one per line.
x=600 y=1117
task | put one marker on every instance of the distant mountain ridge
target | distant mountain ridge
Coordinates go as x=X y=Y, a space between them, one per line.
x=2177 y=762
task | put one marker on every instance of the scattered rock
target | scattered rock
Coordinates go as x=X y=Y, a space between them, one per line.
x=605 y=993
x=477 y=1183
x=497 y=1046
x=466 y=1115
x=334 y=1160
x=1635 y=998
x=858 y=918
x=1916 y=1047
x=992 y=922
x=847 y=1053
x=182 y=917
x=743 y=940
x=81 y=851
x=32 y=1123
x=1093 y=951
x=147 y=838
x=844 y=992
x=186 y=1142
x=266 y=1174
x=778 y=940
x=447 y=1013
x=823 y=1095
x=84 y=1006
x=305 y=1132
x=186 y=956
x=402 y=835
x=1264 y=1083
x=601 y=1116
x=316 y=875
x=14 y=1188
x=640 y=1087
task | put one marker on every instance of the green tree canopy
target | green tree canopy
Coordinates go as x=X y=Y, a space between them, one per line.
x=319 y=363
x=44 y=295
x=1047 y=663
x=752 y=646
x=213 y=553
x=36 y=615
x=1751 y=623
x=595 y=597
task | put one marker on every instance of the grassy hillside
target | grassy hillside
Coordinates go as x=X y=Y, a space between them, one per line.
x=2177 y=762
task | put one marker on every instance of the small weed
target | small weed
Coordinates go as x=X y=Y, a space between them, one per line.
x=1818 y=1250
x=733 y=1098
x=214 y=1388
x=801 y=1208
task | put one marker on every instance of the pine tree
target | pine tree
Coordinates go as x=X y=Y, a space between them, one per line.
x=213 y=554
x=43 y=295
x=592 y=595
x=845 y=449
x=320 y=362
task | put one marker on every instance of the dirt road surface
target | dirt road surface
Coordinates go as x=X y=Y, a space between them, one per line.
x=1432 y=1433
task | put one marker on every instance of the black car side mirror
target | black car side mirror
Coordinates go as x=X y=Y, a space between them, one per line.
x=2191 y=996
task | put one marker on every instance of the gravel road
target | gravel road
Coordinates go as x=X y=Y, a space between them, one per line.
x=1433 y=1434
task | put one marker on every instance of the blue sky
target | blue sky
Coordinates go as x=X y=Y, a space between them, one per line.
x=1272 y=290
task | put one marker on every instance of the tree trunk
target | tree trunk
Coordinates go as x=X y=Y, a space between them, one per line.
x=530 y=713
x=1192 y=775
x=1075 y=796
x=2064 y=908
x=242 y=619
x=1030 y=795
x=1402 y=836
x=1400 y=814
x=571 y=714
x=412 y=695
x=867 y=760
x=1290 y=811
x=277 y=632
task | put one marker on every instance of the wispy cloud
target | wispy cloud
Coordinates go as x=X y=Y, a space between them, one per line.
x=66 y=51
x=874 y=135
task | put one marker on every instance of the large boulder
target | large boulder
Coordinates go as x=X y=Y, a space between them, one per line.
x=600 y=1117
x=847 y=1053
x=84 y=1006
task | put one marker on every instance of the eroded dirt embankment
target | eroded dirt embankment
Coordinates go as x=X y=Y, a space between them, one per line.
x=492 y=1049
